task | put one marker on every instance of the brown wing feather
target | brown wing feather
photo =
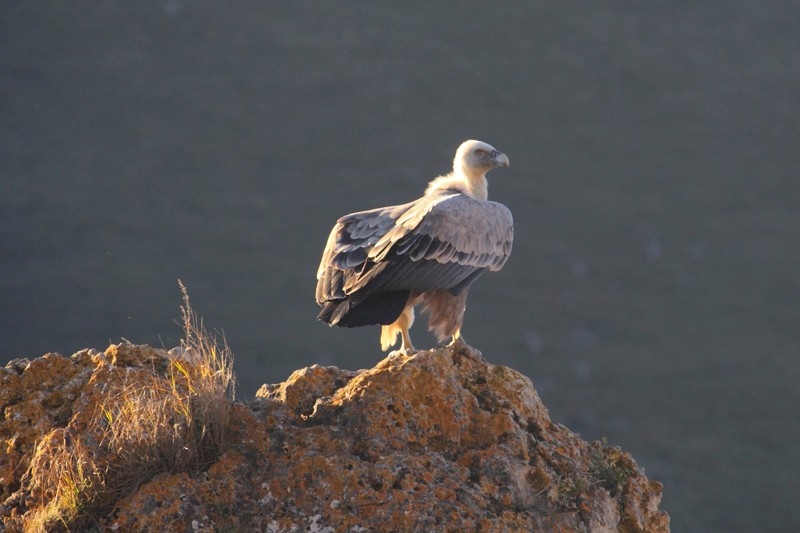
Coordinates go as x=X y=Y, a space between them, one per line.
x=344 y=260
x=438 y=242
x=453 y=228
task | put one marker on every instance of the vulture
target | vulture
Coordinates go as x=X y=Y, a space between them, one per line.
x=379 y=264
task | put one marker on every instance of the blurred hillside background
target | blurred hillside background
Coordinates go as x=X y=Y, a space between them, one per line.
x=652 y=296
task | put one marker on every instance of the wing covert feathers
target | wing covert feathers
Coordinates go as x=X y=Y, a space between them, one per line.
x=440 y=242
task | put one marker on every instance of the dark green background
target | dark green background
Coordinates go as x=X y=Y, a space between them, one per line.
x=652 y=295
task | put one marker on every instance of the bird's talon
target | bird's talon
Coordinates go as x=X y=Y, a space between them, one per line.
x=405 y=352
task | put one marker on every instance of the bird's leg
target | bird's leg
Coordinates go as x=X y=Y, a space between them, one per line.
x=405 y=346
x=457 y=341
x=404 y=323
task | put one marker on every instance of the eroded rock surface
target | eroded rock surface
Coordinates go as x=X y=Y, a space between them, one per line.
x=439 y=441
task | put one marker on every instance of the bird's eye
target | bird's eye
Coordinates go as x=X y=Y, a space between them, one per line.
x=480 y=152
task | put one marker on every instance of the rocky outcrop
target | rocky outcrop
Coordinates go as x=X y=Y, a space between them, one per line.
x=439 y=441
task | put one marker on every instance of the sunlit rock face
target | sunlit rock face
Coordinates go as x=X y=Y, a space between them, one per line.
x=437 y=441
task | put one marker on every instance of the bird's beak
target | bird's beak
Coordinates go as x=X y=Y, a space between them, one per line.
x=501 y=159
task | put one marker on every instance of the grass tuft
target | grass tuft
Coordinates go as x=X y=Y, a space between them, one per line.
x=147 y=425
x=68 y=481
x=607 y=468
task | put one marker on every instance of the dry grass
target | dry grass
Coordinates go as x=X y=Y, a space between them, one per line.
x=171 y=422
x=68 y=481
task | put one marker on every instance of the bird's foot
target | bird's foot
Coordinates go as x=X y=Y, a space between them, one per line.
x=405 y=352
x=458 y=344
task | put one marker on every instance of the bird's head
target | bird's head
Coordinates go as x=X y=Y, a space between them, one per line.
x=475 y=158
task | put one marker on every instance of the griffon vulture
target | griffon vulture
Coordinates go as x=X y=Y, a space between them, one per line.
x=379 y=264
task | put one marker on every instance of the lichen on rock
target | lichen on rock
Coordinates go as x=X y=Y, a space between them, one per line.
x=437 y=441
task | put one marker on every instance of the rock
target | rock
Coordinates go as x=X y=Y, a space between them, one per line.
x=305 y=386
x=438 y=441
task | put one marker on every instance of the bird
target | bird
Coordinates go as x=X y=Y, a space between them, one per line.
x=379 y=264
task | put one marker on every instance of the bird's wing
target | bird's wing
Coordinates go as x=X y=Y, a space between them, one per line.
x=438 y=242
x=349 y=243
x=456 y=228
x=445 y=246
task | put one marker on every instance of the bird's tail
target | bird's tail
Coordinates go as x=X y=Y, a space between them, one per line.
x=381 y=308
